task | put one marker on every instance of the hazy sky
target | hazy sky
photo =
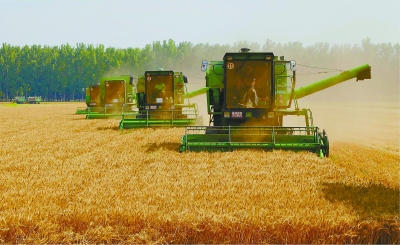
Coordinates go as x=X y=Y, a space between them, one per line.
x=134 y=23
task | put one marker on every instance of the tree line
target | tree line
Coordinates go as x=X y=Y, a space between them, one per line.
x=59 y=73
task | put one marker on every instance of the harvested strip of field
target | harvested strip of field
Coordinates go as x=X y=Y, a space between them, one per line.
x=65 y=179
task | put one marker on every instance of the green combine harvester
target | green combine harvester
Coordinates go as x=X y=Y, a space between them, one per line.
x=249 y=94
x=35 y=100
x=111 y=98
x=163 y=100
x=19 y=100
x=92 y=99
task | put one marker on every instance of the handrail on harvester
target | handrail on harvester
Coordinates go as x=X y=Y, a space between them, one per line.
x=108 y=112
x=152 y=118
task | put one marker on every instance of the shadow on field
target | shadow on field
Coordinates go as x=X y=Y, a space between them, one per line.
x=374 y=200
x=78 y=119
x=115 y=128
x=152 y=147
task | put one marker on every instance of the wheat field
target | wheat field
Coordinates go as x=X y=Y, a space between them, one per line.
x=65 y=179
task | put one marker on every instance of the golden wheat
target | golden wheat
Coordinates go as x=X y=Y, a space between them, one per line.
x=65 y=179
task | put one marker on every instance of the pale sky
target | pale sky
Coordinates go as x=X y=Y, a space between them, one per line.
x=134 y=23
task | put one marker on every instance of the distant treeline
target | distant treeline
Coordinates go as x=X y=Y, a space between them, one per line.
x=60 y=72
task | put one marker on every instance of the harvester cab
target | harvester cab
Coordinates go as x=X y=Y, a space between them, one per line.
x=92 y=99
x=250 y=89
x=162 y=101
x=112 y=97
x=249 y=94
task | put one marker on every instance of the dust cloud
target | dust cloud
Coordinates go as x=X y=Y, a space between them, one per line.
x=380 y=88
x=115 y=72
x=195 y=83
x=372 y=124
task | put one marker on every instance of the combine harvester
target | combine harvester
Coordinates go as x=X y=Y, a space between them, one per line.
x=249 y=95
x=34 y=100
x=92 y=99
x=19 y=100
x=163 y=100
x=111 y=98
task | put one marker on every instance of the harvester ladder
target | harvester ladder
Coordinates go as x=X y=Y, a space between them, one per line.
x=230 y=138
x=296 y=105
x=185 y=97
x=172 y=118
x=310 y=118
x=211 y=115
x=147 y=118
x=273 y=137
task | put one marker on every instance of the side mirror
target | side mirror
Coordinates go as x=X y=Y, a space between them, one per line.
x=204 y=64
x=293 y=65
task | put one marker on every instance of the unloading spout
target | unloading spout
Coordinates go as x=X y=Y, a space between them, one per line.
x=361 y=73
x=195 y=93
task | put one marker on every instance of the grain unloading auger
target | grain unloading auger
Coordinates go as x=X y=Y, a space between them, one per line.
x=163 y=101
x=249 y=95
